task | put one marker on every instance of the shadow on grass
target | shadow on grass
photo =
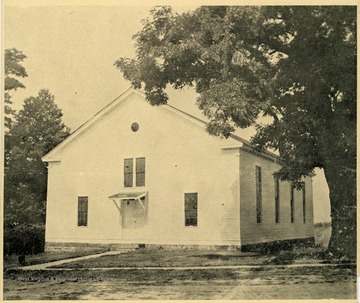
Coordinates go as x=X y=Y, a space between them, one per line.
x=309 y=255
x=224 y=257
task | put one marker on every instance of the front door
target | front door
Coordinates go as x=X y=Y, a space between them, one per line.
x=133 y=220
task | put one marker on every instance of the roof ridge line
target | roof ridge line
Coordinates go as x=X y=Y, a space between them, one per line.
x=105 y=107
x=88 y=121
x=234 y=136
x=130 y=89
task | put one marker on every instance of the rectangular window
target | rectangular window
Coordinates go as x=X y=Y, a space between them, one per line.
x=140 y=171
x=128 y=172
x=277 y=199
x=191 y=209
x=82 y=211
x=304 y=202
x=258 y=194
x=292 y=189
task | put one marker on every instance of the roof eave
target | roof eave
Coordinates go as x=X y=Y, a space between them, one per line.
x=92 y=120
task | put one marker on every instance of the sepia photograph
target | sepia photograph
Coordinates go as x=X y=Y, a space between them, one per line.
x=179 y=152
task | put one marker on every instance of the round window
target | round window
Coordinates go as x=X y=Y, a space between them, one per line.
x=135 y=127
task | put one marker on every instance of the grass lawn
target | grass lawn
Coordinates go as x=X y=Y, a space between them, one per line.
x=195 y=257
x=12 y=261
x=169 y=258
x=278 y=282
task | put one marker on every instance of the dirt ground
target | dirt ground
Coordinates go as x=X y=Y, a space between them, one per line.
x=258 y=283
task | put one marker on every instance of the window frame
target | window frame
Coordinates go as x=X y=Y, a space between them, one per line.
x=258 y=192
x=188 y=218
x=277 y=198
x=292 y=203
x=83 y=211
x=134 y=171
x=140 y=174
x=304 y=202
x=129 y=174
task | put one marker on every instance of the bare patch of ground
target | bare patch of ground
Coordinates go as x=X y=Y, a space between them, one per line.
x=269 y=278
x=258 y=283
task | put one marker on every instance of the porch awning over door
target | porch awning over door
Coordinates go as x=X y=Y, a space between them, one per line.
x=117 y=198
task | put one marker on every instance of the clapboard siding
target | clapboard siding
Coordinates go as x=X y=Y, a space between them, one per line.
x=180 y=158
x=253 y=232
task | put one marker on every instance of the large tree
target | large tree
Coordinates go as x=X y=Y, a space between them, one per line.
x=38 y=128
x=296 y=65
x=13 y=71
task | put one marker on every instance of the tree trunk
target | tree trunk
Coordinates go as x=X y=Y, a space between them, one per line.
x=342 y=187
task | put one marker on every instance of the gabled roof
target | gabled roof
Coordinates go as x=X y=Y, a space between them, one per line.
x=113 y=104
x=93 y=120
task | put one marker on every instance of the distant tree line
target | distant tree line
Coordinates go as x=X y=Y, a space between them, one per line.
x=30 y=133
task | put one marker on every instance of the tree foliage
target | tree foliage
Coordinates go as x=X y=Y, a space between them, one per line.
x=13 y=71
x=38 y=128
x=296 y=65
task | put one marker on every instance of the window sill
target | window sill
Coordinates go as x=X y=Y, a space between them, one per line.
x=125 y=187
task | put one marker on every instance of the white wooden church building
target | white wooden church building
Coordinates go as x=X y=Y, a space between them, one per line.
x=140 y=174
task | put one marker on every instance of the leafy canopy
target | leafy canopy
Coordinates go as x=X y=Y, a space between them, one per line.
x=296 y=65
x=38 y=129
x=13 y=71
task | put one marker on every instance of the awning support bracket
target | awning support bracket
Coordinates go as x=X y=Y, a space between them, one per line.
x=128 y=196
x=142 y=205
x=117 y=206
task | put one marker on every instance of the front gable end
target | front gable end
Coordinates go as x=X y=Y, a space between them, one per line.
x=55 y=154
x=130 y=115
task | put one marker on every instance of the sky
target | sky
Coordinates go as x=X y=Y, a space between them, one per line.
x=71 y=51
